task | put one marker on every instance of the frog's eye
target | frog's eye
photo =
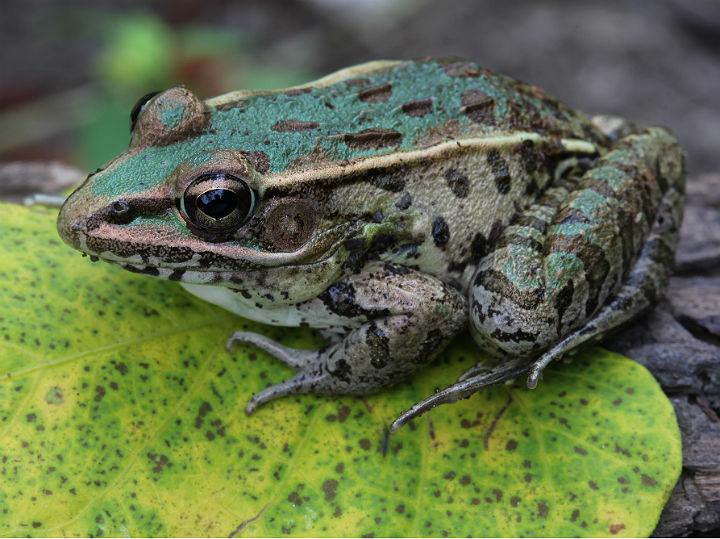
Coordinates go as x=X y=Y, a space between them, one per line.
x=218 y=202
x=138 y=108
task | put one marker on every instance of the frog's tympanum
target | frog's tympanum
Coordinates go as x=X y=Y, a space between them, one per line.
x=391 y=205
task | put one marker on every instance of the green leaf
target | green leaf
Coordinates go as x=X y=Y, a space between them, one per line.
x=121 y=414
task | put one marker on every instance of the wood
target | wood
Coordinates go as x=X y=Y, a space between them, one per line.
x=679 y=342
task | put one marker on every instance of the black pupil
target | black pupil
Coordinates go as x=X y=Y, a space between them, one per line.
x=218 y=203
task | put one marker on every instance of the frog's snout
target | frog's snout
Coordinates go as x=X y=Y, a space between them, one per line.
x=72 y=222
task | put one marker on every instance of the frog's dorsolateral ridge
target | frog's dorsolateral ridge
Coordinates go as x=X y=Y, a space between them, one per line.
x=391 y=205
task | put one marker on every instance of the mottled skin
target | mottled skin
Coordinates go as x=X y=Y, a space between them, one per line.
x=391 y=205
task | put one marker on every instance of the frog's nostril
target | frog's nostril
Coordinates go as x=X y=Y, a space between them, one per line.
x=120 y=212
x=120 y=208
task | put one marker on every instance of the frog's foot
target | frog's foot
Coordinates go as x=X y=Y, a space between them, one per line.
x=473 y=380
x=305 y=381
x=292 y=357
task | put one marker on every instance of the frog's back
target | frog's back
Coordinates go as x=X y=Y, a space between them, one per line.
x=387 y=107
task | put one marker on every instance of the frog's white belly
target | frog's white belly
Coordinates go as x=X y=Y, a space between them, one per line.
x=312 y=314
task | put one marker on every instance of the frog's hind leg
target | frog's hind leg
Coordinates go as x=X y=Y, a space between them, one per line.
x=643 y=287
x=599 y=261
x=580 y=262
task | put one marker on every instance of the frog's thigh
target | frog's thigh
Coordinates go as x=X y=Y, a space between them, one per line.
x=553 y=270
x=398 y=320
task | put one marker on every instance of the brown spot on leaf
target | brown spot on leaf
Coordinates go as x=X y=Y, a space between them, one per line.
x=648 y=481
x=400 y=509
x=376 y=94
x=622 y=451
x=514 y=501
x=160 y=461
x=372 y=139
x=580 y=450
x=364 y=443
x=542 y=510
x=574 y=515
x=465 y=480
x=329 y=487
x=593 y=485
x=511 y=445
x=294 y=498
x=418 y=108
x=294 y=125
x=616 y=528
x=617 y=402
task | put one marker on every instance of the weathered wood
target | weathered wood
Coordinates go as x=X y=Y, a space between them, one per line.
x=679 y=342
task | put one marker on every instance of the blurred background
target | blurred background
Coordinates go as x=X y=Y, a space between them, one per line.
x=71 y=70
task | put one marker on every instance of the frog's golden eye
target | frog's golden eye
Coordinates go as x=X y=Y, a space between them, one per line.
x=218 y=203
x=138 y=108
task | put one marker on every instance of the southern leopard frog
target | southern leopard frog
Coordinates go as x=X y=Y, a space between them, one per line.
x=391 y=205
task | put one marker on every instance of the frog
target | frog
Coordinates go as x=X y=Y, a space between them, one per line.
x=391 y=206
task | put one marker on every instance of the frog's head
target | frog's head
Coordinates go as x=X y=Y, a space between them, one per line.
x=186 y=201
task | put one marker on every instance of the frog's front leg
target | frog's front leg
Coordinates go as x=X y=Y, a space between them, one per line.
x=396 y=320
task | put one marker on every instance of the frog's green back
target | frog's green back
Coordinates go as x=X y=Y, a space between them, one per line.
x=364 y=111
x=386 y=106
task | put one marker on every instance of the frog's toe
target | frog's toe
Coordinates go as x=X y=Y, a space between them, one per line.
x=292 y=357
x=304 y=382
x=475 y=370
x=472 y=381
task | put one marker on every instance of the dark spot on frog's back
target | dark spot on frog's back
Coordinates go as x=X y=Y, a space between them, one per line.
x=298 y=91
x=357 y=82
x=418 y=108
x=376 y=94
x=372 y=139
x=294 y=125
x=440 y=232
x=478 y=107
x=458 y=183
x=461 y=69
x=240 y=105
x=392 y=180
x=478 y=248
x=340 y=299
x=405 y=202
x=259 y=160
x=500 y=171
